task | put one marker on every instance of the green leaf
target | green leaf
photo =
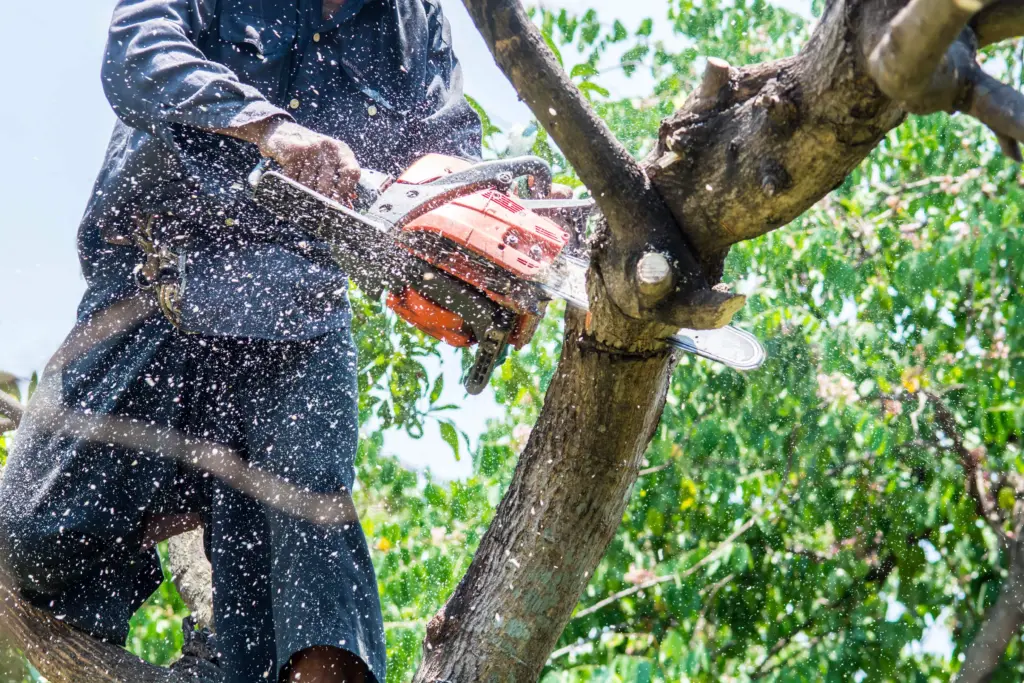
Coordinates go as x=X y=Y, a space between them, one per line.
x=435 y=393
x=554 y=48
x=451 y=437
x=591 y=87
x=584 y=70
x=619 y=32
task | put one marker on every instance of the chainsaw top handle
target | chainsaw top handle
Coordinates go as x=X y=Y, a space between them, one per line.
x=498 y=172
x=503 y=172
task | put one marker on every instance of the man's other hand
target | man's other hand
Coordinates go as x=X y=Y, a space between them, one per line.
x=559 y=191
x=319 y=162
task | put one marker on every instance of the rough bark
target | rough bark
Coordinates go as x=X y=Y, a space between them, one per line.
x=65 y=655
x=192 y=575
x=1001 y=624
x=638 y=221
x=776 y=138
x=750 y=151
x=562 y=508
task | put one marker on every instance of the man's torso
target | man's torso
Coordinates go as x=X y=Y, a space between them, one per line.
x=363 y=76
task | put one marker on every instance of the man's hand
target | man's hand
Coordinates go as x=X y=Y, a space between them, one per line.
x=559 y=191
x=319 y=162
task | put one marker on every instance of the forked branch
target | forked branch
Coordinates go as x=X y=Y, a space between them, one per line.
x=638 y=221
x=906 y=60
x=926 y=61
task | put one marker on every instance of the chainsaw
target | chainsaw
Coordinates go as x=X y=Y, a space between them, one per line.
x=463 y=259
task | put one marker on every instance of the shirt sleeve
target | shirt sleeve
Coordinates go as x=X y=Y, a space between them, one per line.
x=154 y=74
x=450 y=125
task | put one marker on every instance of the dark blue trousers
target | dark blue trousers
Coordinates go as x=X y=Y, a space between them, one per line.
x=76 y=495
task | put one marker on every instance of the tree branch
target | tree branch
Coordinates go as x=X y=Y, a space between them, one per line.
x=906 y=61
x=999 y=21
x=192 y=575
x=925 y=60
x=65 y=655
x=719 y=550
x=1001 y=625
x=638 y=221
x=975 y=475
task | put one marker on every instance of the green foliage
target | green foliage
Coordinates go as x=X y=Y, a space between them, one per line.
x=806 y=522
x=156 y=633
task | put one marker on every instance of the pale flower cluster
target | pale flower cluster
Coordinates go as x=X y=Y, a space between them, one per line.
x=836 y=388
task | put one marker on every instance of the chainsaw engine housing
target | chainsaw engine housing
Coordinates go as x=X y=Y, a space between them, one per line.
x=485 y=239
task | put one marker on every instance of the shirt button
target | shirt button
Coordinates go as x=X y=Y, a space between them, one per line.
x=294 y=104
x=316 y=37
x=371 y=110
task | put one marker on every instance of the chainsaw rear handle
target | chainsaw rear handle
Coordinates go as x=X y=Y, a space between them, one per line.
x=502 y=172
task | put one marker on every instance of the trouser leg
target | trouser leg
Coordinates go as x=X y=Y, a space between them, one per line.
x=313 y=578
x=72 y=500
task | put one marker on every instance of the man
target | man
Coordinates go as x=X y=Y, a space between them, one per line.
x=209 y=325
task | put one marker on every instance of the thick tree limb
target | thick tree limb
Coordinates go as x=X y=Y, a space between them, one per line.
x=925 y=60
x=753 y=149
x=906 y=60
x=637 y=220
x=562 y=508
x=999 y=21
x=781 y=135
x=777 y=138
x=64 y=655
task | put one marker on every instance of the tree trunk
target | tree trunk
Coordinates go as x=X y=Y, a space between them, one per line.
x=1001 y=624
x=563 y=506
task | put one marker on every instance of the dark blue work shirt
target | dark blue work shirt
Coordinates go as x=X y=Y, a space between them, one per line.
x=380 y=75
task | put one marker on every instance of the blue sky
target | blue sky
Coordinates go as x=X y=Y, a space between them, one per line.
x=55 y=128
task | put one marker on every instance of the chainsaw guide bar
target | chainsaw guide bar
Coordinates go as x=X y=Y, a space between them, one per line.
x=464 y=260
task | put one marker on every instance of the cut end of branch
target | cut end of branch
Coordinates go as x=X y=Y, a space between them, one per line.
x=654 y=276
x=716 y=76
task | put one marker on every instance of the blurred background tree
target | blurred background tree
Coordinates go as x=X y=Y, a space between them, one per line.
x=847 y=513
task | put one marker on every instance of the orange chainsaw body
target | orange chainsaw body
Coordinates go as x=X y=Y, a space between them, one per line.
x=484 y=238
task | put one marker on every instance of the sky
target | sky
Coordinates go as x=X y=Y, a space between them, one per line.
x=55 y=129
